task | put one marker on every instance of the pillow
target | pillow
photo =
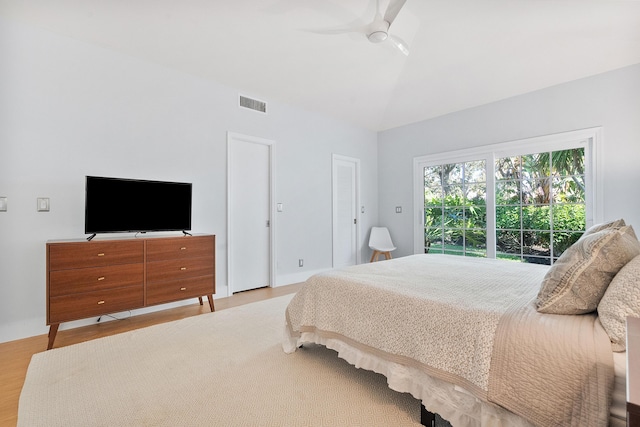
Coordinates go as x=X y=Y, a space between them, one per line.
x=621 y=300
x=602 y=226
x=579 y=278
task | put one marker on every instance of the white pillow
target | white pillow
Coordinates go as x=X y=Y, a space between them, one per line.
x=621 y=300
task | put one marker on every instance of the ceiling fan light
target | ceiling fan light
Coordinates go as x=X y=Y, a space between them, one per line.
x=378 y=36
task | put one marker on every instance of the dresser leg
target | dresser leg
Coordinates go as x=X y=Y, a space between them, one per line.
x=53 y=330
x=210 y=298
x=200 y=300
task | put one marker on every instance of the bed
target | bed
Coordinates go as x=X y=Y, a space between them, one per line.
x=466 y=336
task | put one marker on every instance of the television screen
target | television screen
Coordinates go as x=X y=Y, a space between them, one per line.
x=115 y=205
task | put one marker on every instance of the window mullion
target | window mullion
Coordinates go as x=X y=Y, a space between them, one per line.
x=490 y=161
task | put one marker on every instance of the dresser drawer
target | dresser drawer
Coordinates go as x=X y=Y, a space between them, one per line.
x=79 y=306
x=65 y=282
x=162 y=271
x=177 y=290
x=179 y=247
x=64 y=256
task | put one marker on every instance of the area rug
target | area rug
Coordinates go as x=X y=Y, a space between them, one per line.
x=218 y=369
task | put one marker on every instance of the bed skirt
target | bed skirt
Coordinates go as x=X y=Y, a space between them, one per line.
x=452 y=403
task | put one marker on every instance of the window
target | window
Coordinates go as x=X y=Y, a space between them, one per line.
x=524 y=200
x=540 y=204
x=455 y=212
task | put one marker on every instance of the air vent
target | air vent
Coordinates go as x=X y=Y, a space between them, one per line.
x=253 y=104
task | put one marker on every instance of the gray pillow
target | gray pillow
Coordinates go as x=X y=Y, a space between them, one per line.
x=604 y=225
x=579 y=278
x=621 y=300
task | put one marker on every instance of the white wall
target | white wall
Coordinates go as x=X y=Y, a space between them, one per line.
x=611 y=100
x=70 y=109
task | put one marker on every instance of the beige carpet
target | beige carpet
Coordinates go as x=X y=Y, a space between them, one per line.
x=220 y=369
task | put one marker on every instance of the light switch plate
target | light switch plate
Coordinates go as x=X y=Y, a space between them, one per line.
x=43 y=204
x=3 y=204
x=279 y=207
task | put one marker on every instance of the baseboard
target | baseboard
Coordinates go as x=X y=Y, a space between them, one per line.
x=37 y=326
x=290 y=279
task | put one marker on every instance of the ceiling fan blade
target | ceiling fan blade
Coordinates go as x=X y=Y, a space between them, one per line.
x=357 y=25
x=378 y=15
x=333 y=31
x=399 y=43
x=393 y=9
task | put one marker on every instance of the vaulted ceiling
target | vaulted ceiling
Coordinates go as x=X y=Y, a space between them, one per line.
x=463 y=53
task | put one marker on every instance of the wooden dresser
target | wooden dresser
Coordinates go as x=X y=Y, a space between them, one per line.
x=92 y=278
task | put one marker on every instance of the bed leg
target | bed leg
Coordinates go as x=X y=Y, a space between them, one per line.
x=427 y=418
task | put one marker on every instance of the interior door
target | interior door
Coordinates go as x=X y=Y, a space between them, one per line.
x=345 y=194
x=249 y=194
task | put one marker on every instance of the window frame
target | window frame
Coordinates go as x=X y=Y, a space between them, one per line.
x=589 y=139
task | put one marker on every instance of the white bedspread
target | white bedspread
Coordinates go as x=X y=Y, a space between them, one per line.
x=386 y=309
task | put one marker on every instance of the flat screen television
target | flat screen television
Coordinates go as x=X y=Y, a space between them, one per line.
x=117 y=205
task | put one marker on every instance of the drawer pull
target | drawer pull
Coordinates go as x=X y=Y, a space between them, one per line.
x=101 y=278
x=183 y=268
x=101 y=254
x=100 y=302
x=183 y=289
x=184 y=248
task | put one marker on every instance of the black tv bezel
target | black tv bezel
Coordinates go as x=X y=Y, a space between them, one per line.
x=136 y=230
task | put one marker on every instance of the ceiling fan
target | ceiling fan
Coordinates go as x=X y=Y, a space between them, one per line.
x=377 y=31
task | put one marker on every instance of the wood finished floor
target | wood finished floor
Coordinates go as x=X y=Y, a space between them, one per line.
x=15 y=355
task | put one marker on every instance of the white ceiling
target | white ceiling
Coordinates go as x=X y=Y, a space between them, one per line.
x=463 y=53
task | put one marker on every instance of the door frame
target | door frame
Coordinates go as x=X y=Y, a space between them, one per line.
x=271 y=144
x=356 y=163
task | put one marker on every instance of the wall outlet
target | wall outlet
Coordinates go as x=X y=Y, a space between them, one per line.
x=398 y=209
x=300 y=262
x=43 y=204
